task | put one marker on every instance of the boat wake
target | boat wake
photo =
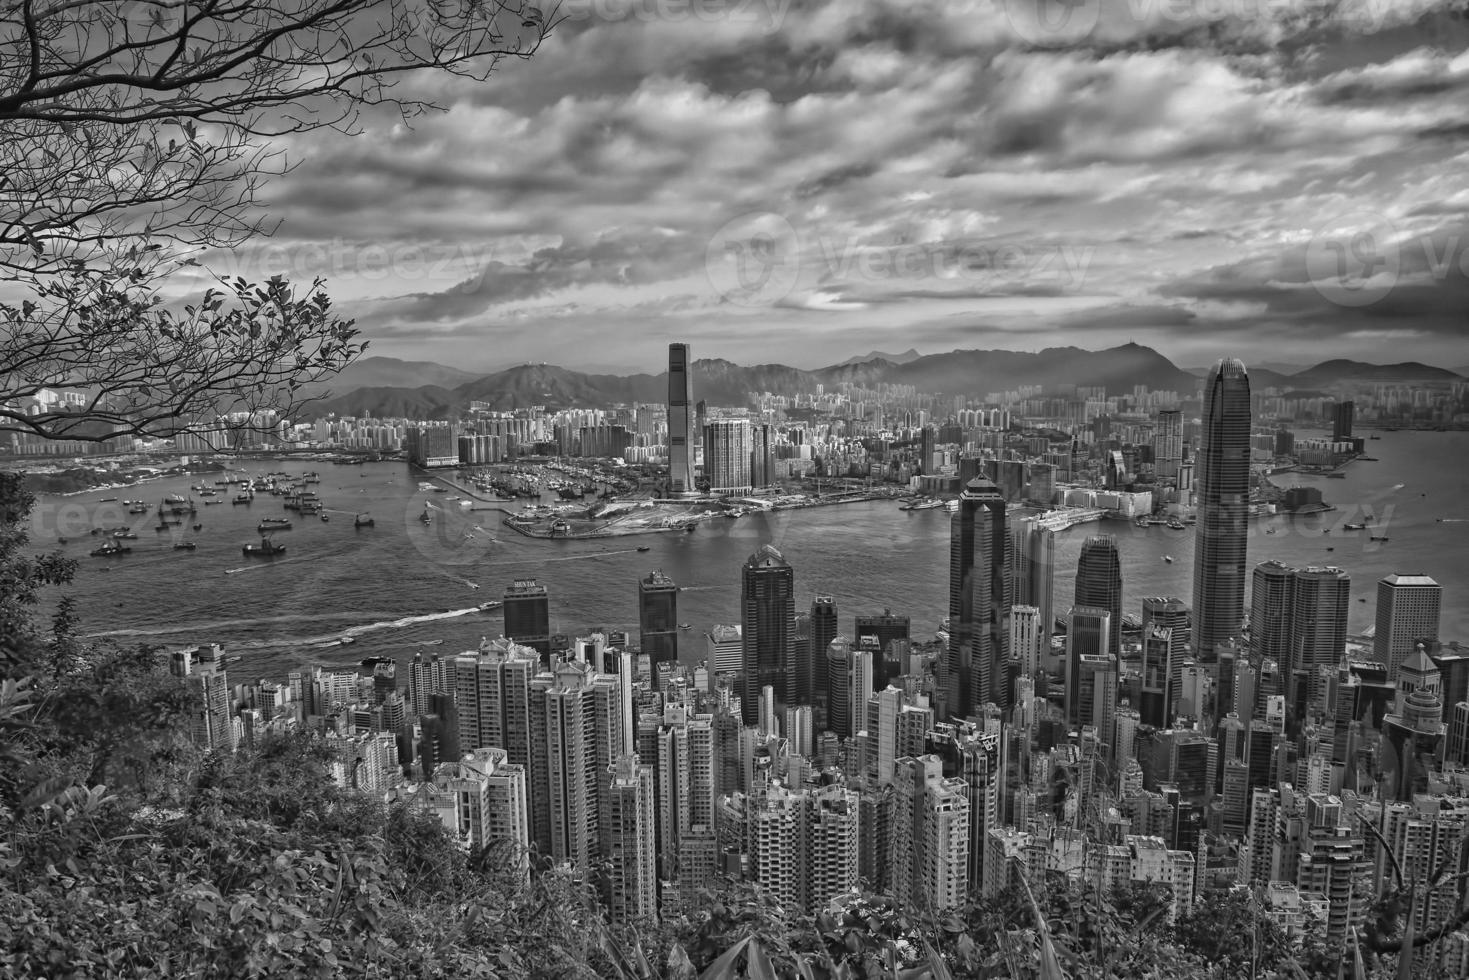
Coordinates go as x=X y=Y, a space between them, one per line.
x=594 y=554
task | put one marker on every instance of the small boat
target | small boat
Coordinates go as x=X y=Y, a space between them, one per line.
x=1174 y=524
x=325 y=518
x=1379 y=537
x=1361 y=600
x=427 y=516
x=109 y=549
x=209 y=502
x=107 y=500
x=1168 y=559
x=362 y=520
x=1330 y=549
x=643 y=547
x=273 y=524
x=198 y=527
x=1270 y=530
x=1353 y=527
x=60 y=539
x=185 y=546
x=125 y=533
x=685 y=626
x=347 y=641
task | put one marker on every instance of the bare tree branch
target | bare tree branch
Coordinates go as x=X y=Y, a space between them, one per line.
x=135 y=134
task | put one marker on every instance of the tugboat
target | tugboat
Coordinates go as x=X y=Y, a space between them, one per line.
x=273 y=524
x=362 y=520
x=109 y=549
x=265 y=549
x=185 y=546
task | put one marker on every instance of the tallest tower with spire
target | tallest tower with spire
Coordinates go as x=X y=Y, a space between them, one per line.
x=1222 y=483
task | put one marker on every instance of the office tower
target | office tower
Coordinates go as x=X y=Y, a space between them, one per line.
x=978 y=616
x=1456 y=747
x=1407 y=614
x=1270 y=595
x=680 y=425
x=1165 y=636
x=769 y=614
x=823 y=631
x=1320 y=602
x=630 y=882
x=528 y=617
x=1031 y=563
x=762 y=455
x=427 y=677
x=1168 y=444
x=491 y=697
x=729 y=446
x=929 y=835
x=1089 y=635
x=839 y=654
x=1412 y=732
x=829 y=845
x=1096 y=692
x=803 y=665
x=658 y=620
x=884 y=629
x=1027 y=639
x=1341 y=421
x=1222 y=482
x=1099 y=582
x=686 y=782
x=725 y=648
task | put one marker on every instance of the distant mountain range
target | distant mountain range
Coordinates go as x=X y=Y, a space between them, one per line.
x=909 y=355
x=385 y=387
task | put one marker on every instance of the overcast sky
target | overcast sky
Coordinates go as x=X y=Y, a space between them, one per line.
x=1281 y=180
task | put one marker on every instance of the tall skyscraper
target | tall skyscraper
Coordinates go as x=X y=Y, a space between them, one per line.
x=1031 y=560
x=680 y=422
x=630 y=882
x=1407 y=614
x=1165 y=641
x=658 y=620
x=1089 y=639
x=528 y=617
x=823 y=631
x=1342 y=414
x=769 y=615
x=1320 y=602
x=729 y=448
x=1222 y=481
x=1168 y=444
x=1099 y=582
x=978 y=615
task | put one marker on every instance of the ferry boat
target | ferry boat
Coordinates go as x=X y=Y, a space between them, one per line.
x=491 y=604
x=109 y=549
x=265 y=549
x=273 y=524
x=185 y=546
